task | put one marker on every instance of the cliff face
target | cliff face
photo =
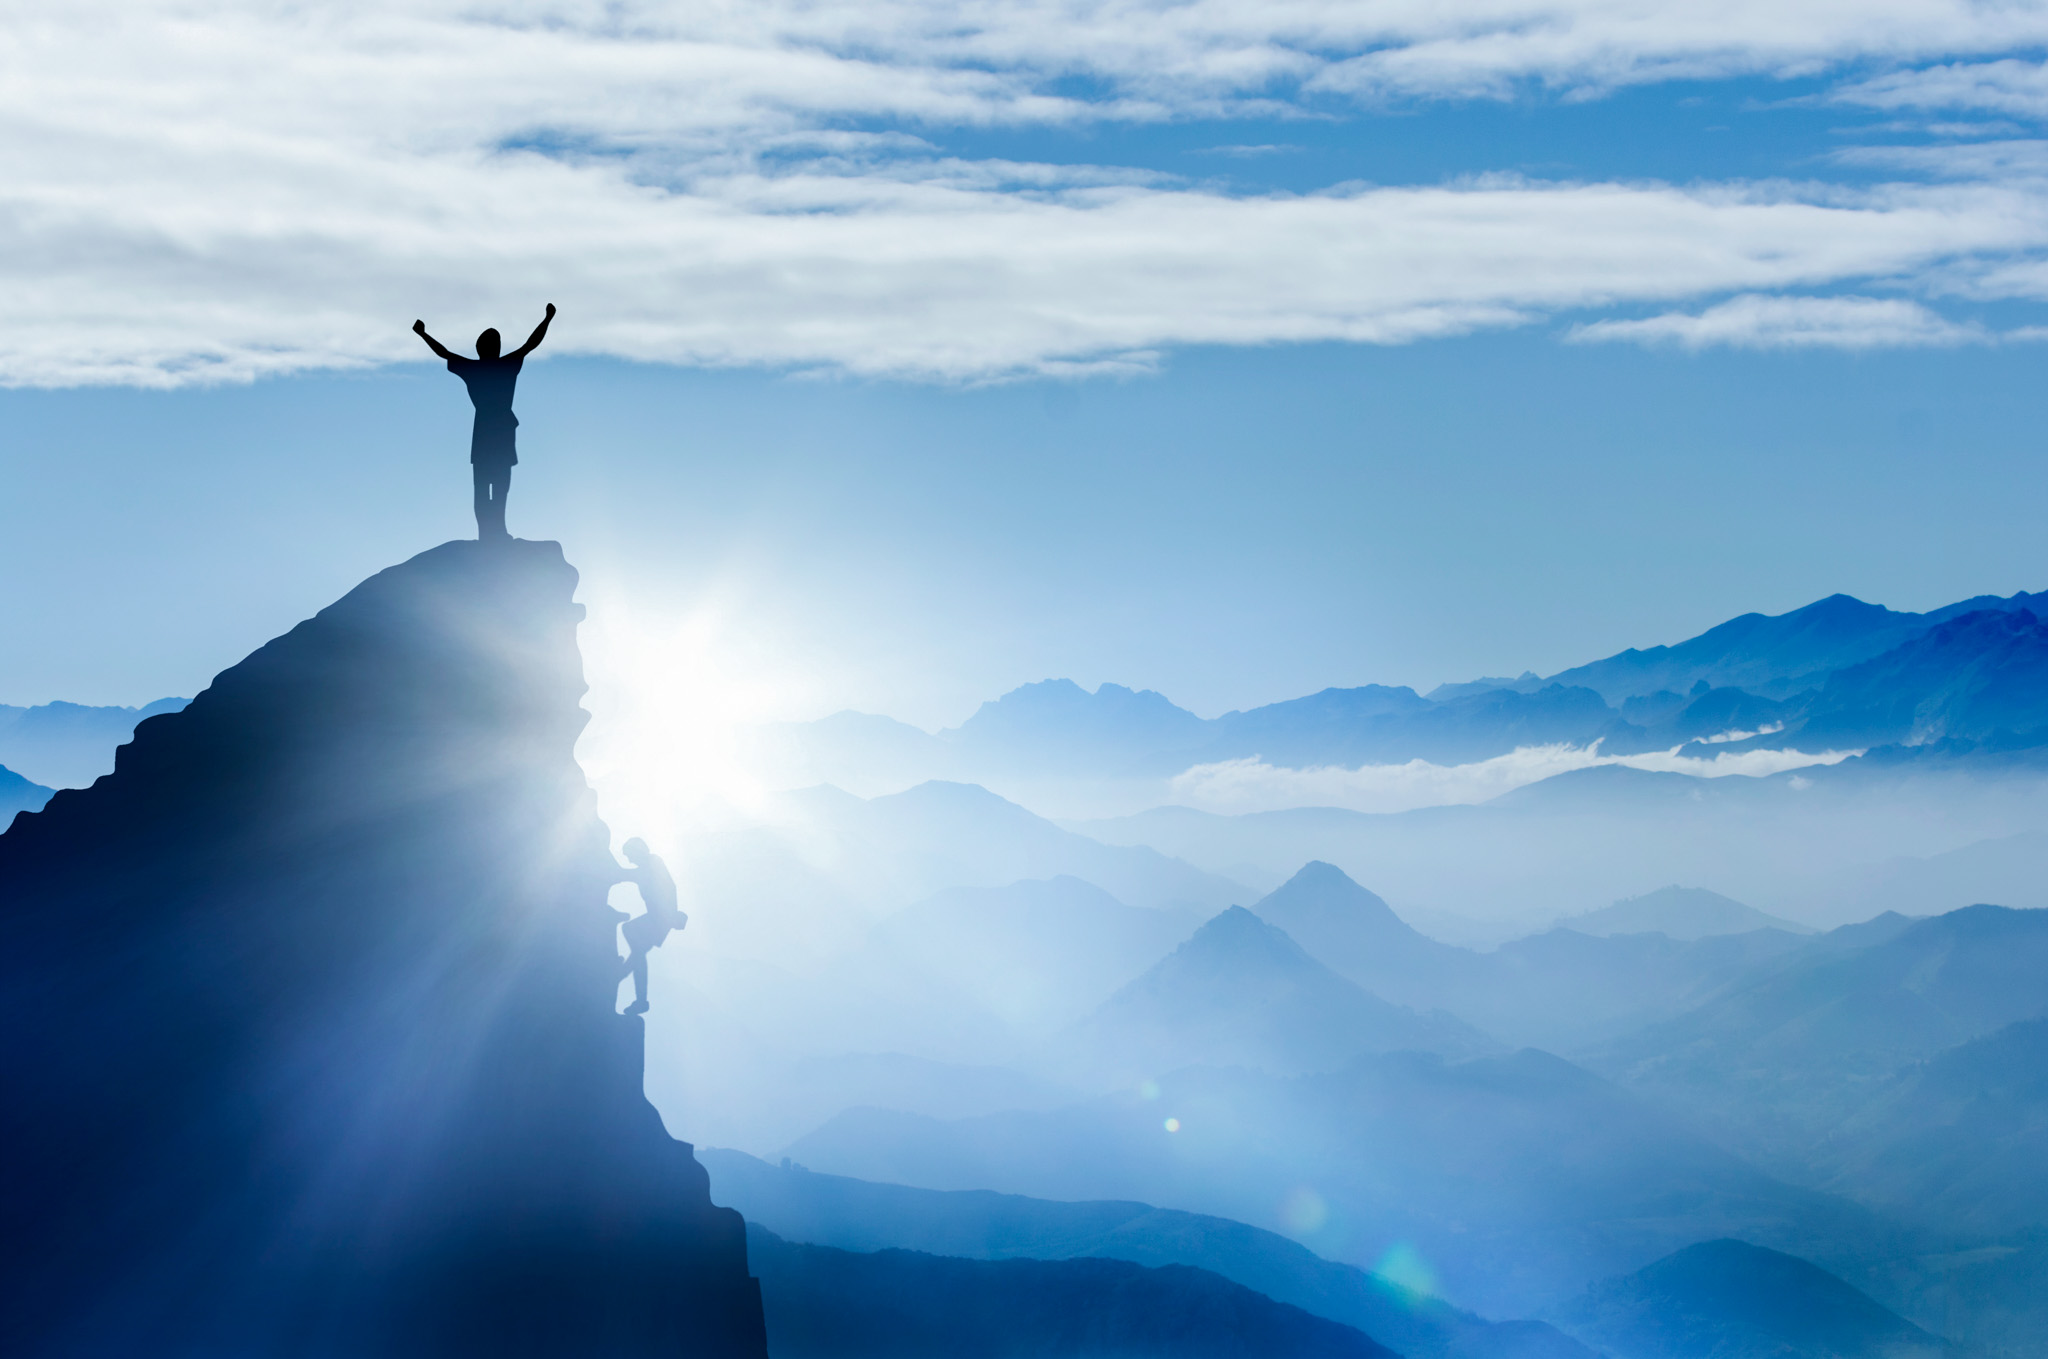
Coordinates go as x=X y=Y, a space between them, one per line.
x=308 y=1012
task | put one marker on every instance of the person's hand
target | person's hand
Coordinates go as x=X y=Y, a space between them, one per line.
x=419 y=327
x=551 y=311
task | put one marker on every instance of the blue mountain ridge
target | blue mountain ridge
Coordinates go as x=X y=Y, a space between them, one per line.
x=1838 y=674
x=68 y=745
x=18 y=794
x=860 y=1215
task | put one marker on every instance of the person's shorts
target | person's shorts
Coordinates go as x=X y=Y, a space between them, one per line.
x=494 y=447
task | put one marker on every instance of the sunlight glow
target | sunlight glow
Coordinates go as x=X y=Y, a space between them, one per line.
x=672 y=698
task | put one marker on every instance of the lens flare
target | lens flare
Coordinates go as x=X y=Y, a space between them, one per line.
x=1404 y=1267
x=1304 y=1210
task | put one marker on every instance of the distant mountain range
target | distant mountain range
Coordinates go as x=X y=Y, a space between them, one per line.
x=821 y=867
x=68 y=745
x=17 y=794
x=1836 y=675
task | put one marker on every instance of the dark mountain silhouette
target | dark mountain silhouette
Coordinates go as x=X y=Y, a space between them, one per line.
x=17 y=794
x=68 y=745
x=1241 y=993
x=831 y=1210
x=1683 y=913
x=1731 y=1300
x=1783 y=1058
x=824 y=1303
x=1518 y=1180
x=311 y=1043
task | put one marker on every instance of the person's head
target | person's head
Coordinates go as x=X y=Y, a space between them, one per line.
x=635 y=850
x=489 y=344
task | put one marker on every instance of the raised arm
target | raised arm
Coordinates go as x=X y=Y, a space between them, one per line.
x=419 y=328
x=540 y=332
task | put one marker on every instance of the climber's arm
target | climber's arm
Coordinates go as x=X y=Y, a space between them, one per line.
x=419 y=328
x=540 y=332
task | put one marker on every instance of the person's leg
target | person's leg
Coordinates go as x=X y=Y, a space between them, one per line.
x=639 y=1005
x=501 y=486
x=481 y=476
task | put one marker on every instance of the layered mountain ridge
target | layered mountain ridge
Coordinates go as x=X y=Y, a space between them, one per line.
x=1836 y=675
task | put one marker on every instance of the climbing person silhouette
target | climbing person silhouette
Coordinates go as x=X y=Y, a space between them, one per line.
x=493 y=445
x=648 y=929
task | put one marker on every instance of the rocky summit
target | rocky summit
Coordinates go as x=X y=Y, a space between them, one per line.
x=312 y=1044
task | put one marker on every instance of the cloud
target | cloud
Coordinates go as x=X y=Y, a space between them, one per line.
x=2009 y=86
x=1757 y=322
x=202 y=193
x=1231 y=787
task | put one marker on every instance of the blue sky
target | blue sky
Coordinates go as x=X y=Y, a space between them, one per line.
x=911 y=352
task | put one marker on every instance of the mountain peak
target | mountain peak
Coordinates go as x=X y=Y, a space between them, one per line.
x=1240 y=992
x=1354 y=932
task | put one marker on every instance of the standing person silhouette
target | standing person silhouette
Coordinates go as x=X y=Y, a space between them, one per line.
x=648 y=929
x=493 y=445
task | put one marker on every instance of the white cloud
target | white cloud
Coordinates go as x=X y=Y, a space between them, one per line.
x=194 y=192
x=2009 y=86
x=1757 y=322
x=1251 y=785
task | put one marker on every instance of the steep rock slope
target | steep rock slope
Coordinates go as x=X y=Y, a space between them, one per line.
x=311 y=1043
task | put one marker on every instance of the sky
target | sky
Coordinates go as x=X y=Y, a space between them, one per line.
x=910 y=352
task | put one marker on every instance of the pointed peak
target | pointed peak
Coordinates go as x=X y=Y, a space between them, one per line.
x=1237 y=931
x=1324 y=886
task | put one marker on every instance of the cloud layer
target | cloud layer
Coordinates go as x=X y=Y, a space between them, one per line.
x=1232 y=787
x=220 y=192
